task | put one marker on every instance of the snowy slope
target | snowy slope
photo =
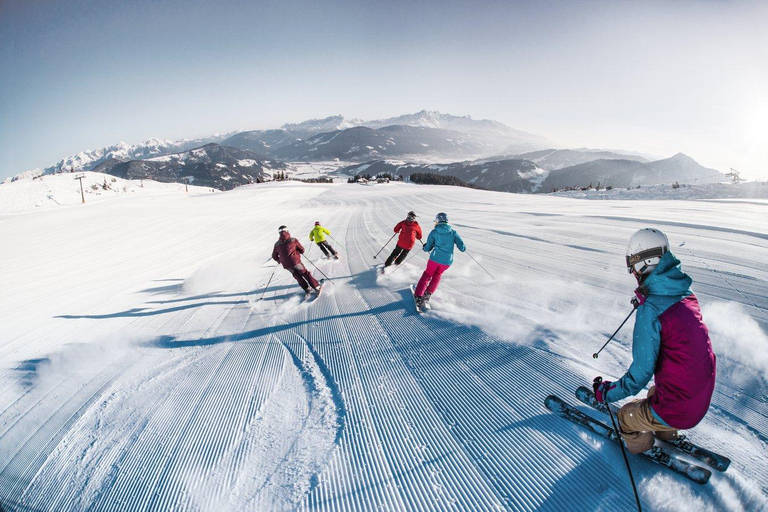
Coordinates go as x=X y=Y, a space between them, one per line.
x=139 y=370
x=63 y=189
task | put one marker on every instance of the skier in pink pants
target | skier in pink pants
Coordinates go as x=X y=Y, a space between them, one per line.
x=440 y=245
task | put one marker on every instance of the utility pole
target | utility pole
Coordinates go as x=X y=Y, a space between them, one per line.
x=82 y=194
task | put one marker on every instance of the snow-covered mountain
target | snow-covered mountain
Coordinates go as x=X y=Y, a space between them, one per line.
x=683 y=168
x=328 y=124
x=551 y=159
x=424 y=119
x=212 y=165
x=419 y=138
x=463 y=124
x=397 y=141
x=423 y=136
x=121 y=152
x=494 y=134
x=629 y=173
x=262 y=142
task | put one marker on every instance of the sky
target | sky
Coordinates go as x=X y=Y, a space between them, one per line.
x=657 y=77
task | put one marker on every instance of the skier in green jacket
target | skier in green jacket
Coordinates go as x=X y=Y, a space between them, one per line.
x=317 y=235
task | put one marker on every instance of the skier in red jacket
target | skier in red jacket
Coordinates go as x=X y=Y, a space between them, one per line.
x=288 y=252
x=409 y=231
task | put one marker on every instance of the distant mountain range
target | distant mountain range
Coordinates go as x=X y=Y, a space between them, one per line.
x=494 y=134
x=485 y=153
x=629 y=173
x=212 y=165
x=92 y=158
x=423 y=136
x=551 y=159
x=396 y=141
x=526 y=175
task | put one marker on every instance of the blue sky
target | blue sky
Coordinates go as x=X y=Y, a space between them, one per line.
x=657 y=77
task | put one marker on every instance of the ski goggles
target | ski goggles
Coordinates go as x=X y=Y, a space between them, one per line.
x=656 y=252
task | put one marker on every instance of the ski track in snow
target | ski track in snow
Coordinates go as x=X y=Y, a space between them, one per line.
x=140 y=371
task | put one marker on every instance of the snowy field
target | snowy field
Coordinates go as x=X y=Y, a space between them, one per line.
x=308 y=170
x=749 y=190
x=140 y=371
x=56 y=190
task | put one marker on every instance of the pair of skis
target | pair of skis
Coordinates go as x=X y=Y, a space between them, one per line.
x=424 y=305
x=310 y=296
x=691 y=471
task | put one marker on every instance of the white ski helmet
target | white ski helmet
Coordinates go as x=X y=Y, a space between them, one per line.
x=645 y=249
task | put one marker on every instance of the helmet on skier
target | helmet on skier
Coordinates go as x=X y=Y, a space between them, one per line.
x=441 y=217
x=410 y=216
x=317 y=223
x=282 y=228
x=645 y=249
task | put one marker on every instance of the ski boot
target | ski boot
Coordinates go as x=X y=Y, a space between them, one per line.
x=425 y=301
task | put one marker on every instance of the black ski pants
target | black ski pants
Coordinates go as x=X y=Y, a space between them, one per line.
x=326 y=248
x=397 y=256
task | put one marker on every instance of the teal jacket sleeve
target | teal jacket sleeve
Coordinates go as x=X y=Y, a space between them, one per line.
x=459 y=242
x=430 y=241
x=646 y=341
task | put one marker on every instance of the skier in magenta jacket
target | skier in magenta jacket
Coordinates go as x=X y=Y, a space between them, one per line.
x=287 y=252
x=670 y=343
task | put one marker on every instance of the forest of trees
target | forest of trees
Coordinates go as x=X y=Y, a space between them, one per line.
x=430 y=178
x=369 y=177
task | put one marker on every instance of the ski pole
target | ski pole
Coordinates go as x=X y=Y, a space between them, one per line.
x=623 y=452
x=393 y=236
x=400 y=266
x=337 y=242
x=325 y=276
x=635 y=304
x=270 y=280
x=482 y=267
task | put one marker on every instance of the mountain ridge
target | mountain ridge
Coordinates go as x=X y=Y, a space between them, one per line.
x=211 y=165
x=526 y=176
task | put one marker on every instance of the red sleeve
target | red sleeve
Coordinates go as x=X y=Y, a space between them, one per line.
x=275 y=255
x=418 y=231
x=398 y=226
x=299 y=247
